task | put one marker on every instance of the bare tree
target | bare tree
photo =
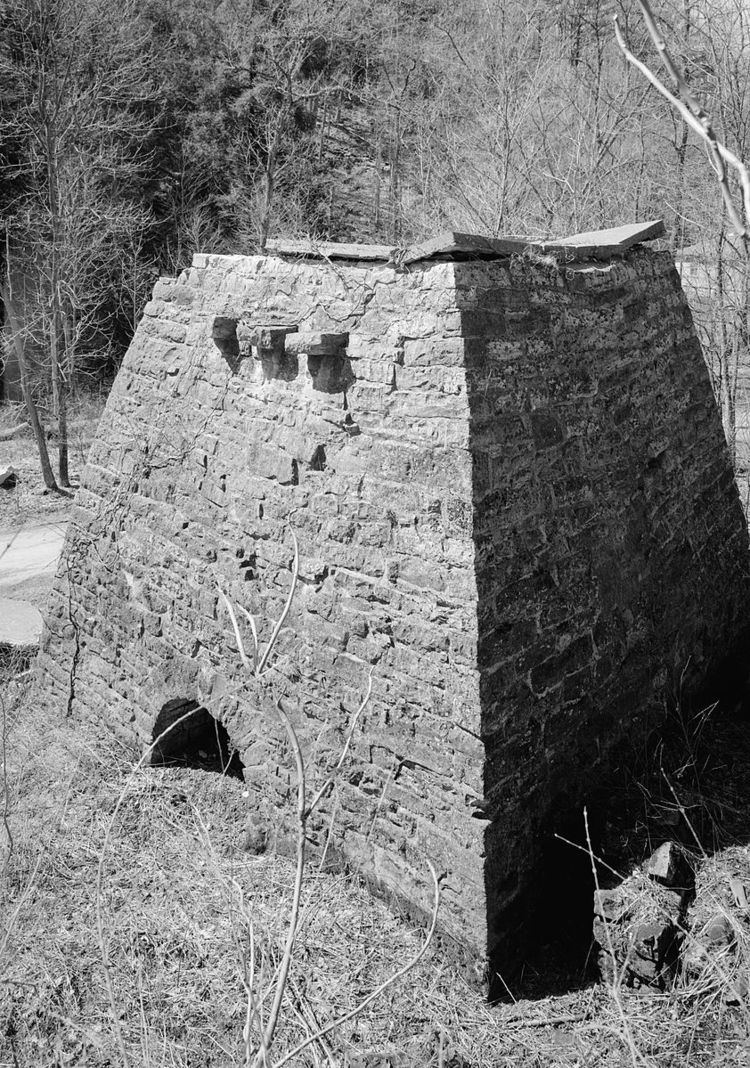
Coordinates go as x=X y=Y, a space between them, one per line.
x=718 y=277
x=697 y=118
x=19 y=345
x=80 y=83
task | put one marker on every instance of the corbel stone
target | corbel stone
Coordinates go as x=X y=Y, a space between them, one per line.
x=309 y=343
x=268 y=340
x=266 y=344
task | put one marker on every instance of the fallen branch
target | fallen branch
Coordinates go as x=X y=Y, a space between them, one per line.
x=551 y=1021
x=6 y=435
x=6 y=789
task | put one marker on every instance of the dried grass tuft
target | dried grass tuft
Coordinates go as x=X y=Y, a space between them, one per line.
x=179 y=897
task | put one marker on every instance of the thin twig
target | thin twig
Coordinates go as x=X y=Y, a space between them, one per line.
x=281 y=978
x=26 y=891
x=251 y=620
x=550 y=1021
x=286 y=960
x=593 y=856
x=308 y=1015
x=256 y=669
x=247 y=974
x=252 y=1011
x=6 y=790
x=238 y=636
x=684 y=815
x=285 y=613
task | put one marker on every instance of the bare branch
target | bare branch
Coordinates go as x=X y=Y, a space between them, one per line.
x=6 y=789
x=257 y=669
x=332 y=775
x=251 y=620
x=695 y=116
x=287 y=606
x=6 y=435
x=237 y=635
x=291 y=936
x=282 y=978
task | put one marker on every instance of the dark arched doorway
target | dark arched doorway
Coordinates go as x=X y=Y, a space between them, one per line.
x=196 y=740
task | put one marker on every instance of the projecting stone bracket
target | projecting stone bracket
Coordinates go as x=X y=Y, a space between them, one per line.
x=238 y=339
x=316 y=344
x=327 y=362
x=278 y=349
x=266 y=340
x=266 y=344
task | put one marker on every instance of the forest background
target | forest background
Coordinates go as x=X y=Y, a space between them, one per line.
x=133 y=134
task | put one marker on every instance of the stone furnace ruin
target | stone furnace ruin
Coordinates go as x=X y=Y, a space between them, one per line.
x=515 y=511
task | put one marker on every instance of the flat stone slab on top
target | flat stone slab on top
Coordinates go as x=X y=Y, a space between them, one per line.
x=600 y=244
x=595 y=244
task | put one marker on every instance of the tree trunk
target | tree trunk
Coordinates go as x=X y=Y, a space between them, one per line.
x=62 y=430
x=265 y=217
x=269 y=180
x=57 y=369
x=727 y=374
x=59 y=399
x=36 y=426
x=728 y=413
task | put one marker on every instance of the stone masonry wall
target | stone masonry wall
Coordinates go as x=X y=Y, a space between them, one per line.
x=611 y=550
x=204 y=460
x=514 y=508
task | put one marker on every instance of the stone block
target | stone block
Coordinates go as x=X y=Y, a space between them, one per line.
x=671 y=866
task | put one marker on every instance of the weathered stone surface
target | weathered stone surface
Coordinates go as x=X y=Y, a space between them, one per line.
x=671 y=866
x=514 y=508
x=316 y=343
x=600 y=244
x=596 y=244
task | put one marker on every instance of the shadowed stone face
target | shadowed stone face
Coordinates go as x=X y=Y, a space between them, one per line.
x=514 y=509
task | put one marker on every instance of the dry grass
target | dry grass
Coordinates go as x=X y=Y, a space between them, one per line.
x=179 y=891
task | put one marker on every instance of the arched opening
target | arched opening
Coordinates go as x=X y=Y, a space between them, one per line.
x=195 y=740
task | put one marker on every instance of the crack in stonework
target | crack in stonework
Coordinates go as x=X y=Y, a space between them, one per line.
x=77 y=651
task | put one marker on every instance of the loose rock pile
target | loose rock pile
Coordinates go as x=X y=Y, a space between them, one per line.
x=639 y=926
x=716 y=953
x=677 y=919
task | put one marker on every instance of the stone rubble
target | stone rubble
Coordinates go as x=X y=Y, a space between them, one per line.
x=639 y=926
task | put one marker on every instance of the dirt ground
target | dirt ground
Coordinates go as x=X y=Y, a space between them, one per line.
x=33 y=519
x=29 y=501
